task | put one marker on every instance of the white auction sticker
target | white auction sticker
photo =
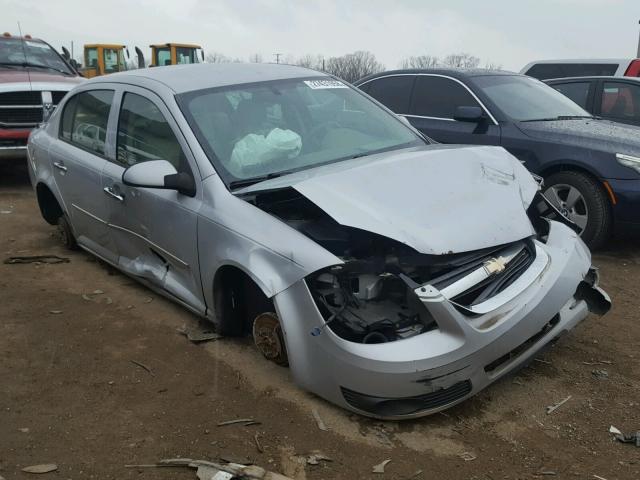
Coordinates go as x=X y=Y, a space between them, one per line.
x=317 y=84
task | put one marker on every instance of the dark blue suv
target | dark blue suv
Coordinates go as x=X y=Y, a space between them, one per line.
x=591 y=166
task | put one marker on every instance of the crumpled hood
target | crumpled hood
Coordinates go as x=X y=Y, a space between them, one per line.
x=437 y=199
x=598 y=134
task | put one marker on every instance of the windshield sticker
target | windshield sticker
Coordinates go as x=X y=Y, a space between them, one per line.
x=36 y=44
x=318 y=84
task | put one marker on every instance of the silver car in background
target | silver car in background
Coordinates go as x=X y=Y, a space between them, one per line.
x=395 y=276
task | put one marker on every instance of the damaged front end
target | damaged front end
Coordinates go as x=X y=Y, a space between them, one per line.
x=400 y=329
x=375 y=296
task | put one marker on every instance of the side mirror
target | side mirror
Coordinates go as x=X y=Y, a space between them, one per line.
x=468 y=114
x=159 y=174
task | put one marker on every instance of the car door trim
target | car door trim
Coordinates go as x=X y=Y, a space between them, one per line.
x=482 y=105
x=118 y=227
x=152 y=244
x=427 y=118
x=89 y=214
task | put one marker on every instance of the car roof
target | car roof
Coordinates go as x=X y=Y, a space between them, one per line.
x=457 y=73
x=593 y=77
x=186 y=78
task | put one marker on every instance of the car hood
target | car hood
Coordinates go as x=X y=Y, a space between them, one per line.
x=437 y=199
x=598 y=134
x=12 y=79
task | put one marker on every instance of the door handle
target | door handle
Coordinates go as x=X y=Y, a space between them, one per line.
x=60 y=166
x=112 y=193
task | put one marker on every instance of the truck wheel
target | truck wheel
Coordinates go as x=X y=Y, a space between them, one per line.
x=66 y=234
x=582 y=200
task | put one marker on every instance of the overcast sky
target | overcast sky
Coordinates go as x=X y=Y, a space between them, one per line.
x=506 y=32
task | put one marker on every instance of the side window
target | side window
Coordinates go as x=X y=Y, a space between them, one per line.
x=144 y=134
x=393 y=92
x=621 y=100
x=91 y=57
x=438 y=97
x=163 y=57
x=576 y=91
x=66 y=125
x=85 y=118
x=545 y=71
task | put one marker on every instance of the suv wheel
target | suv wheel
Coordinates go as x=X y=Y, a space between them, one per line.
x=583 y=201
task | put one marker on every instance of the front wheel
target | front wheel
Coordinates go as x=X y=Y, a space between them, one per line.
x=581 y=199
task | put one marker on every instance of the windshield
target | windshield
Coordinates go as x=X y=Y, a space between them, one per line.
x=13 y=51
x=527 y=99
x=264 y=129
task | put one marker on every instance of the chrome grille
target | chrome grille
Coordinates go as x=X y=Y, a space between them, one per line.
x=25 y=109
x=20 y=98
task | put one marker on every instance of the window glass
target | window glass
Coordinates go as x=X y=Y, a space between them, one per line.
x=67 y=118
x=35 y=53
x=621 y=100
x=86 y=117
x=576 y=91
x=526 y=99
x=163 y=56
x=268 y=128
x=393 y=92
x=144 y=134
x=439 y=97
x=91 y=57
x=544 y=71
x=186 y=55
x=113 y=60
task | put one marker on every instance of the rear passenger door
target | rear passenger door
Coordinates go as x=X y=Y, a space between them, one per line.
x=78 y=158
x=155 y=230
x=618 y=101
x=433 y=103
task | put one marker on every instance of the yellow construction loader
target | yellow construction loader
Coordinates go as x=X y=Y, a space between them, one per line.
x=101 y=59
x=175 y=54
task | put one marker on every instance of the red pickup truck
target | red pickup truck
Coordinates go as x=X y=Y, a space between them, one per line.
x=33 y=80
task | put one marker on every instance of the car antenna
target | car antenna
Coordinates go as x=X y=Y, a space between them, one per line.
x=24 y=52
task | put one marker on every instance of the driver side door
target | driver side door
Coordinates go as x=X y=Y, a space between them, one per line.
x=155 y=230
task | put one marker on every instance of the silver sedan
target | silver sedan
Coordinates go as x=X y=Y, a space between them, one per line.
x=396 y=276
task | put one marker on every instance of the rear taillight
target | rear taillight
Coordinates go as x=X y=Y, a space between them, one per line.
x=634 y=69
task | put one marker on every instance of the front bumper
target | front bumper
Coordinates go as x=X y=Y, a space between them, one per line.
x=430 y=372
x=13 y=143
x=627 y=207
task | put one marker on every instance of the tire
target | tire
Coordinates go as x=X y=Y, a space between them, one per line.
x=66 y=234
x=593 y=203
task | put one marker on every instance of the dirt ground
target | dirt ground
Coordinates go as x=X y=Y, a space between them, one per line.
x=71 y=394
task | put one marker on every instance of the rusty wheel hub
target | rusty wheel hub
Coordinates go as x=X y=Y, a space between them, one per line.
x=268 y=337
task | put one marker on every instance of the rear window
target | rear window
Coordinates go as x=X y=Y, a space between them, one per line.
x=543 y=71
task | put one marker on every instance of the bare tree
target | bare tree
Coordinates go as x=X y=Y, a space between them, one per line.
x=493 y=66
x=461 y=60
x=310 y=61
x=217 y=57
x=255 y=58
x=421 y=61
x=353 y=66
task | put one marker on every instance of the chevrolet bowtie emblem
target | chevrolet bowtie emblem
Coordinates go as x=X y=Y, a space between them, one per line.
x=495 y=265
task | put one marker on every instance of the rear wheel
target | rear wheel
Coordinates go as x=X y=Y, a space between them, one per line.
x=581 y=199
x=66 y=234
